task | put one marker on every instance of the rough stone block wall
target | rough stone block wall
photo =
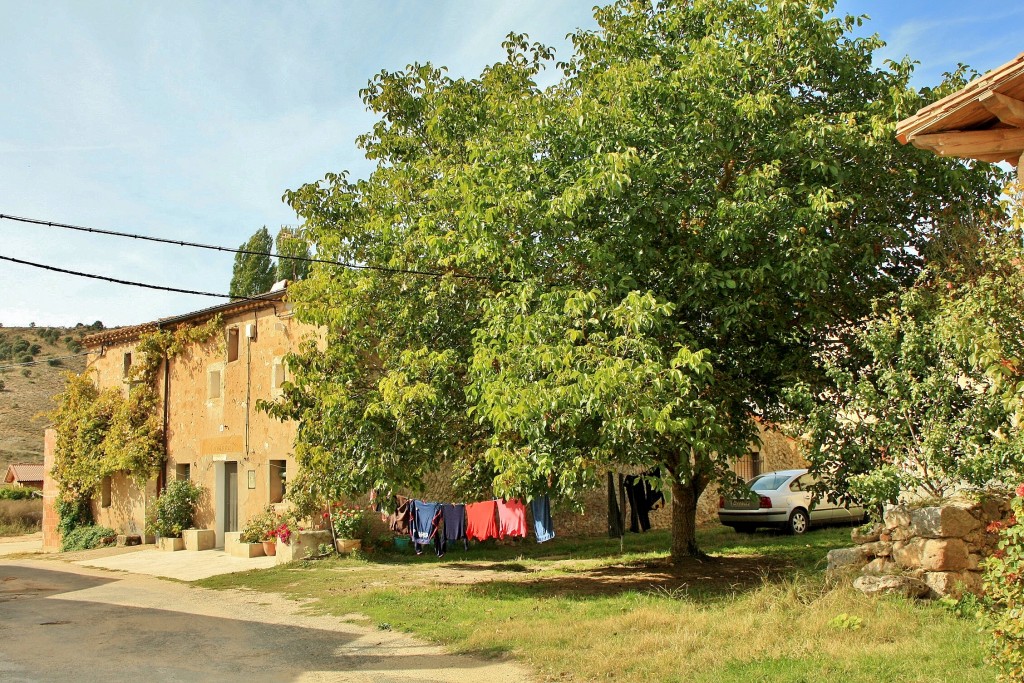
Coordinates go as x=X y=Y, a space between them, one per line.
x=933 y=550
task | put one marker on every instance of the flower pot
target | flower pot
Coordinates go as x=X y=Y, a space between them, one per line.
x=270 y=548
x=347 y=545
x=402 y=543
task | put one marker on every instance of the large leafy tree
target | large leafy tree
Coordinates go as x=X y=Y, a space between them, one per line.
x=253 y=272
x=629 y=265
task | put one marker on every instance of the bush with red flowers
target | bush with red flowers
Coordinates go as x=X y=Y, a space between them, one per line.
x=1004 y=592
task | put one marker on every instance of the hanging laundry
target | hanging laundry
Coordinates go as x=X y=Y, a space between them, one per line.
x=511 y=518
x=480 y=522
x=454 y=516
x=614 y=516
x=542 y=526
x=425 y=520
x=398 y=521
x=642 y=499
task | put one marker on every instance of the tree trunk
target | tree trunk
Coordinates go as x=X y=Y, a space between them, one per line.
x=684 y=522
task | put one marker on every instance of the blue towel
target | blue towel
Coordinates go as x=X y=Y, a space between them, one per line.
x=542 y=525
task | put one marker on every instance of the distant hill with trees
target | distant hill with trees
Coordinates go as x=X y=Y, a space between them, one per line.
x=33 y=361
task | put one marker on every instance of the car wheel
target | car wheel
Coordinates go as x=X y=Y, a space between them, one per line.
x=799 y=522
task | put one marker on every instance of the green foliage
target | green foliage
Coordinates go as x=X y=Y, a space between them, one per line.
x=174 y=510
x=253 y=273
x=87 y=537
x=103 y=432
x=290 y=242
x=72 y=513
x=259 y=527
x=349 y=521
x=927 y=392
x=17 y=493
x=1004 y=592
x=846 y=622
x=661 y=239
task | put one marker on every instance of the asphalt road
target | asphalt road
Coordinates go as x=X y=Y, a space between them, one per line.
x=63 y=622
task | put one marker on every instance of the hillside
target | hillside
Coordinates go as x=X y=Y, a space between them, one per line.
x=28 y=389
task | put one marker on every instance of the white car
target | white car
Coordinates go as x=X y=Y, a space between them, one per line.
x=783 y=499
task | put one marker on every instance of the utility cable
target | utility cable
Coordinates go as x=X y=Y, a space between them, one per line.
x=130 y=283
x=248 y=252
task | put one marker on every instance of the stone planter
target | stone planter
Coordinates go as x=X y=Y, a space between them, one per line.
x=170 y=544
x=347 y=545
x=236 y=548
x=270 y=548
x=301 y=545
x=199 y=539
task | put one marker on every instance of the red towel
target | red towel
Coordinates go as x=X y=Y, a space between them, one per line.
x=511 y=518
x=480 y=524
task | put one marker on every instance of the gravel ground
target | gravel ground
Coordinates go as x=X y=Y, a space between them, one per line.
x=62 y=622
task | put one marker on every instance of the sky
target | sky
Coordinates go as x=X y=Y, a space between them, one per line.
x=189 y=120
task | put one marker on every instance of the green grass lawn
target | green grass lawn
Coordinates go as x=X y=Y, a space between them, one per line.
x=759 y=610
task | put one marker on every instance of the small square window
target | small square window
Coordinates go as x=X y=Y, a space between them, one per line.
x=183 y=471
x=232 y=344
x=213 y=384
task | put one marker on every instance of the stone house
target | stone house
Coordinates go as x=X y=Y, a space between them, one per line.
x=215 y=436
x=24 y=474
x=213 y=433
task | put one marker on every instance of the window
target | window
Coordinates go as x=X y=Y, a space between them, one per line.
x=804 y=483
x=127 y=367
x=769 y=482
x=749 y=466
x=183 y=471
x=233 y=344
x=277 y=377
x=278 y=479
x=213 y=383
x=105 y=492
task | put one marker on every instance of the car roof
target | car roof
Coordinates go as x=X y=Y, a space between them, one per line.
x=787 y=473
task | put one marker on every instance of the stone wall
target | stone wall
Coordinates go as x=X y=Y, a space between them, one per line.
x=924 y=551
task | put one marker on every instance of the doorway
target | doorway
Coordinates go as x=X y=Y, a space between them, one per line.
x=226 y=475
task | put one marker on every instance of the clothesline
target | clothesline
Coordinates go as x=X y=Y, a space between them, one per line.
x=425 y=522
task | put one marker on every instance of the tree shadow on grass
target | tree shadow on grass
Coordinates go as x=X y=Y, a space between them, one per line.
x=708 y=578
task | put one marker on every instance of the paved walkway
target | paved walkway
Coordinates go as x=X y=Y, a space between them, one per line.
x=182 y=565
x=32 y=543
x=64 y=622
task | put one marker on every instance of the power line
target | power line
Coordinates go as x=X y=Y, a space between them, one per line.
x=130 y=283
x=248 y=252
x=40 y=361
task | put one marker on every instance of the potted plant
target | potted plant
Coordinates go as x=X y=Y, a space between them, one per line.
x=280 y=533
x=172 y=513
x=259 y=529
x=349 y=527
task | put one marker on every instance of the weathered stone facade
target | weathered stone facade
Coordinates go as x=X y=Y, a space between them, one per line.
x=215 y=436
x=926 y=551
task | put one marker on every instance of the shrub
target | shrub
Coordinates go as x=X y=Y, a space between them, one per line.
x=17 y=493
x=72 y=513
x=349 y=521
x=55 y=362
x=174 y=510
x=260 y=527
x=87 y=538
x=1004 y=590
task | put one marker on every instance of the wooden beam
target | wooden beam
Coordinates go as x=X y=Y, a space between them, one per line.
x=1007 y=109
x=972 y=144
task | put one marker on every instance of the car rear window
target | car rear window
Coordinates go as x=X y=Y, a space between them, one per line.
x=768 y=482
